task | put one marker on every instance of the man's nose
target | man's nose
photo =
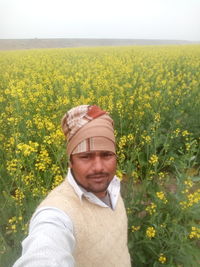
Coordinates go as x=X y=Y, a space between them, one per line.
x=97 y=164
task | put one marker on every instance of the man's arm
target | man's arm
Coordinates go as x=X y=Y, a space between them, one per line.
x=50 y=241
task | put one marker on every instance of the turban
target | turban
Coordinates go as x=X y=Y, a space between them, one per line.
x=88 y=128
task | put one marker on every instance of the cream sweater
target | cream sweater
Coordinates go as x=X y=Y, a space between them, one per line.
x=101 y=233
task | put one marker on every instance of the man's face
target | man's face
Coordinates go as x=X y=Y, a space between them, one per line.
x=94 y=170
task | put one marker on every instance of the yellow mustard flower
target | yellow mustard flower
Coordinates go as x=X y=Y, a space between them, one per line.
x=162 y=258
x=150 y=232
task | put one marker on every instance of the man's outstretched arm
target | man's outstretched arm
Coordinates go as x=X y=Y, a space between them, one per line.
x=50 y=241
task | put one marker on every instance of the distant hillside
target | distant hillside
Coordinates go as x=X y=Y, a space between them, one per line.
x=15 y=44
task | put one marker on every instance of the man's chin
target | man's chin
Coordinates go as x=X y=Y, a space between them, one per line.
x=98 y=188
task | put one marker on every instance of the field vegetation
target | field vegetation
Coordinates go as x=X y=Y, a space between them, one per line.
x=153 y=95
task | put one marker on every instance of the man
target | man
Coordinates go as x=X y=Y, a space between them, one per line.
x=83 y=221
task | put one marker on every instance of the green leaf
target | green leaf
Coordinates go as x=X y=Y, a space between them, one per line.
x=196 y=179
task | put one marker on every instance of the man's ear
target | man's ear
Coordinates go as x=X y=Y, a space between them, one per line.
x=70 y=161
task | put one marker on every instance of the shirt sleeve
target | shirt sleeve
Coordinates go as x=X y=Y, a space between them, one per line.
x=50 y=241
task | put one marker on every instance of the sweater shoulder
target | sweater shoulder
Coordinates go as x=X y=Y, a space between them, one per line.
x=60 y=197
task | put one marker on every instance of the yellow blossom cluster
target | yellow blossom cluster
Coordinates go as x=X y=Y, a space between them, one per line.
x=162 y=175
x=185 y=133
x=151 y=208
x=157 y=117
x=12 y=222
x=119 y=174
x=195 y=233
x=42 y=123
x=58 y=178
x=56 y=137
x=188 y=185
x=153 y=159
x=146 y=138
x=176 y=132
x=28 y=178
x=12 y=165
x=122 y=142
x=162 y=258
x=161 y=196
x=135 y=176
x=16 y=224
x=150 y=232
x=19 y=196
x=128 y=210
x=191 y=199
x=39 y=191
x=43 y=160
x=27 y=149
x=135 y=228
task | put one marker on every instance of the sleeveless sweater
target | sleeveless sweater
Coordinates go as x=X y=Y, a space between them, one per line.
x=100 y=233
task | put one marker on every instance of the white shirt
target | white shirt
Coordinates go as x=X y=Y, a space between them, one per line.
x=51 y=241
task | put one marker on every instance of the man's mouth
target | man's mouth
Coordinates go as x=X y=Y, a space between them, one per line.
x=97 y=176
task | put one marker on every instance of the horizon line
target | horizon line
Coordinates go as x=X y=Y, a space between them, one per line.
x=98 y=38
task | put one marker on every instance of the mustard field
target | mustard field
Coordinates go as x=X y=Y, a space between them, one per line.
x=153 y=95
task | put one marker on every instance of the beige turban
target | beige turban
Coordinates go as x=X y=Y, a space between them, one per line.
x=88 y=128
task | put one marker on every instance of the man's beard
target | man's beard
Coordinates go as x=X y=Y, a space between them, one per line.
x=91 y=188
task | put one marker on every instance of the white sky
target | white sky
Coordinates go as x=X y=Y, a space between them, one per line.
x=137 y=19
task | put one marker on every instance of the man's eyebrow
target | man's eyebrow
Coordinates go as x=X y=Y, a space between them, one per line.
x=85 y=153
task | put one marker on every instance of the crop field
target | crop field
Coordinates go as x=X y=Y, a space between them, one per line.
x=153 y=95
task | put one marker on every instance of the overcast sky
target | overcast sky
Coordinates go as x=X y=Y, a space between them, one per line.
x=137 y=19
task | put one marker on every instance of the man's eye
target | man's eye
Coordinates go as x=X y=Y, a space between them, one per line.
x=84 y=157
x=107 y=155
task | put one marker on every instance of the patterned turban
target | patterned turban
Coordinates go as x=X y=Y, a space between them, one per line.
x=88 y=128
